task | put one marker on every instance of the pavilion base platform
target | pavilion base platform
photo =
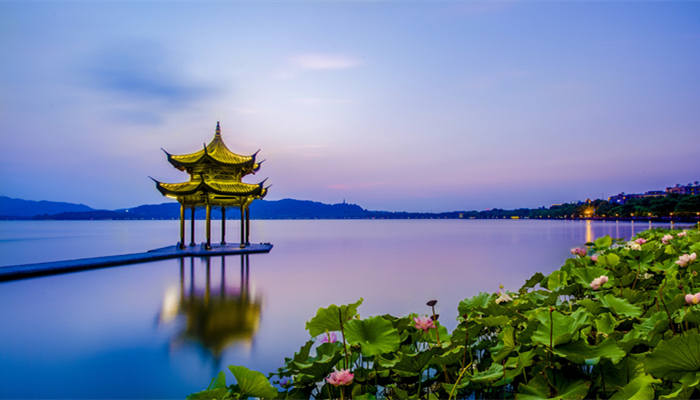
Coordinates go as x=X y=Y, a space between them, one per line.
x=15 y=272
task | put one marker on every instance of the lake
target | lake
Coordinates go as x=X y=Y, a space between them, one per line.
x=164 y=329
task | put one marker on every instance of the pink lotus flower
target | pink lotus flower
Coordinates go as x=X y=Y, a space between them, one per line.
x=598 y=282
x=640 y=240
x=594 y=258
x=581 y=252
x=423 y=323
x=686 y=259
x=329 y=338
x=340 y=378
x=666 y=238
x=681 y=234
x=692 y=298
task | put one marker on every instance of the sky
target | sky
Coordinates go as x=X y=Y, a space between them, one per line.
x=416 y=106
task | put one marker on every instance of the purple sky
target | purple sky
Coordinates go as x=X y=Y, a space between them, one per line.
x=420 y=107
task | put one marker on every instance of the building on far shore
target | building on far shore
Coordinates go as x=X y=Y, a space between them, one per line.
x=693 y=189
x=689 y=189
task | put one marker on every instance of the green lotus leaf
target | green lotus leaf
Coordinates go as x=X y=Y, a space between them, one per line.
x=477 y=303
x=591 y=305
x=639 y=388
x=688 y=383
x=537 y=389
x=530 y=283
x=585 y=276
x=608 y=260
x=602 y=242
x=328 y=319
x=387 y=360
x=498 y=320
x=620 y=306
x=579 y=351
x=217 y=390
x=375 y=335
x=413 y=362
x=451 y=356
x=675 y=357
x=506 y=344
x=605 y=323
x=646 y=331
x=565 y=326
x=679 y=392
x=444 y=335
x=494 y=373
x=218 y=382
x=252 y=383
x=304 y=351
x=557 y=280
x=319 y=366
x=211 y=394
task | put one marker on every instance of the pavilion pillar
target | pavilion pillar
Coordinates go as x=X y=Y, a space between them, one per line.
x=208 y=224
x=242 y=227
x=192 y=227
x=182 y=226
x=247 y=225
x=223 y=225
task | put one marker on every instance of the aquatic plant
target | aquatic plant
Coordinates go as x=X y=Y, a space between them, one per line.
x=623 y=326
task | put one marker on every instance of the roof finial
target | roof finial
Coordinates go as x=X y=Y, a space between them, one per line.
x=218 y=128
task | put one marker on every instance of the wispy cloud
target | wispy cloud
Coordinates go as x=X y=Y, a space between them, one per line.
x=325 y=61
x=143 y=72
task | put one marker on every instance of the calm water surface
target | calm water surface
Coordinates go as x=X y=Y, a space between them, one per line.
x=164 y=329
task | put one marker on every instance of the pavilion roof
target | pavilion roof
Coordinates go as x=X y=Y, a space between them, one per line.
x=216 y=152
x=223 y=188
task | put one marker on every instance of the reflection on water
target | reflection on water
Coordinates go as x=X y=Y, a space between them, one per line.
x=217 y=316
x=589 y=231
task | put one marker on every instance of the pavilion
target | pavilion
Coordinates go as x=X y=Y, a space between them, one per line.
x=215 y=181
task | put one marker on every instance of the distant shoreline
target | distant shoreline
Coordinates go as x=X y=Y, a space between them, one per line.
x=433 y=217
x=678 y=208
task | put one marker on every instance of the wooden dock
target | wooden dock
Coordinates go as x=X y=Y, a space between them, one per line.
x=14 y=272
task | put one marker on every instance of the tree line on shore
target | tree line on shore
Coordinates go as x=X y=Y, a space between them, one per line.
x=679 y=207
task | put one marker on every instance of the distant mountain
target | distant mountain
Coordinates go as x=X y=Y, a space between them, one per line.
x=263 y=209
x=10 y=207
x=684 y=207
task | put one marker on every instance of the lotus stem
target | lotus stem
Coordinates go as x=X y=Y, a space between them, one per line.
x=459 y=379
x=661 y=300
x=345 y=346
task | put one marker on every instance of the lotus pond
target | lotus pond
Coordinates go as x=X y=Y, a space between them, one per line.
x=618 y=320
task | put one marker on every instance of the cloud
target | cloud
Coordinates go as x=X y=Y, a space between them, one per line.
x=143 y=72
x=320 y=61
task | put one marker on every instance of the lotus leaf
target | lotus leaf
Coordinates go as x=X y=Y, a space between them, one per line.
x=375 y=335
x=537 y=389
x=675 y=357
x=328 y=319
x=252 y=383
x=579 y=351
x=565 y=326
x=620 y=306
x=474 y=304
x=639 y=388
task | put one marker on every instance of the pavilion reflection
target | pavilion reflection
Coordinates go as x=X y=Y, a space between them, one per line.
x=589 y=231
x=214 y=314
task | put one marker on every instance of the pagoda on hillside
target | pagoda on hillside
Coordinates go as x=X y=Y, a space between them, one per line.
x=215 y=180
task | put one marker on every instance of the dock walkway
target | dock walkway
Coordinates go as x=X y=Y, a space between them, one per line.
x=14 y=272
